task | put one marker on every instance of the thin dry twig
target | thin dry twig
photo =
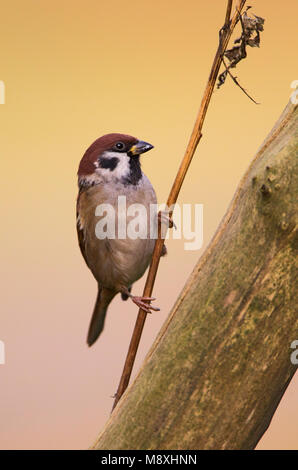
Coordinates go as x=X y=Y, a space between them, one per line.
x=237 y=83
x=195 y=137
x=228 y=12
x=250 y=36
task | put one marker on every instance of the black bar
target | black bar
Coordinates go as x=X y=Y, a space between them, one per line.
x=138 y=458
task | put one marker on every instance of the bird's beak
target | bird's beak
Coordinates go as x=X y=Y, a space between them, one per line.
x=140 y=147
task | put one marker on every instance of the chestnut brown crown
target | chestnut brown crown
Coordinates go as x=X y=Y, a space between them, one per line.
x=109 y=142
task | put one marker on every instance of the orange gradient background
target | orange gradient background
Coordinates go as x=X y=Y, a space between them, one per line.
x=75 y=70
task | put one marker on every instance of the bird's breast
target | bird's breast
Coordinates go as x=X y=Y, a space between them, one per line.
x=119 y=224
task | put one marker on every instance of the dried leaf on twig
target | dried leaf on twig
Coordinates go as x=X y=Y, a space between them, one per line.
x=252 y=26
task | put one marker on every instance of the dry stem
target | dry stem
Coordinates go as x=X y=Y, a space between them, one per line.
x=225 y=35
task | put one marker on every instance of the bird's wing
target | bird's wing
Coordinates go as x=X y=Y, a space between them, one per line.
x=80 y=232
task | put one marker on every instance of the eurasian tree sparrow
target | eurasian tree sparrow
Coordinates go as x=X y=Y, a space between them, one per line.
x=109 y=168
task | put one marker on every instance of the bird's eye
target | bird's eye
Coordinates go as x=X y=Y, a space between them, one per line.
x=120 y=146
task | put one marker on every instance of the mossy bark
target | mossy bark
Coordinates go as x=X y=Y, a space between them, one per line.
x=221 y=363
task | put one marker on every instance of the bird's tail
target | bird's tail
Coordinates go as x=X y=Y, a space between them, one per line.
x=104 y=297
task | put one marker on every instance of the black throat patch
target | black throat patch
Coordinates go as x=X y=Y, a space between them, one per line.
x=135 y=172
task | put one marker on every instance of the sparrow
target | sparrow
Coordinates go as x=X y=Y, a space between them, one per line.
x=110 y=168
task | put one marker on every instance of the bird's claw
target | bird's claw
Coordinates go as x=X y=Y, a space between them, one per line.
x=141 y=303
x=164 y=217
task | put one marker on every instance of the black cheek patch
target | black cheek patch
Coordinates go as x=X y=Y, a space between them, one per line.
x=108 y=163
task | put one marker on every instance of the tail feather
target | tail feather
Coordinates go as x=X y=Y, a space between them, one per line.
x=104 y=297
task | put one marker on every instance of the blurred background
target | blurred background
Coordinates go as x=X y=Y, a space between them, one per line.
x=73 y=71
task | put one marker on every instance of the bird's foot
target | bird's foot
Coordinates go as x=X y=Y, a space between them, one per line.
x=141 y=302
x=165 y=218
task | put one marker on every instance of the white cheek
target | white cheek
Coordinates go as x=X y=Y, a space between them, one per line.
x=122 y=169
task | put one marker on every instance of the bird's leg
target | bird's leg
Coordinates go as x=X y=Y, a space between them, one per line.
x=165 y=221
x=165 y=218
x=124 y=296
x=141 y=302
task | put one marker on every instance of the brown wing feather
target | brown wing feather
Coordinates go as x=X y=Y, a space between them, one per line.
x=80 y=233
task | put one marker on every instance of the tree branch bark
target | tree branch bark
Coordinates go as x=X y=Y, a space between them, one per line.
x=221 y=363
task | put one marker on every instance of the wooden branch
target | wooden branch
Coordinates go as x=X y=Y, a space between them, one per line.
x=195 y=137
x=221 y=363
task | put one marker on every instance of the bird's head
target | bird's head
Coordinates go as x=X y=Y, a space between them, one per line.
x=113 y=157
